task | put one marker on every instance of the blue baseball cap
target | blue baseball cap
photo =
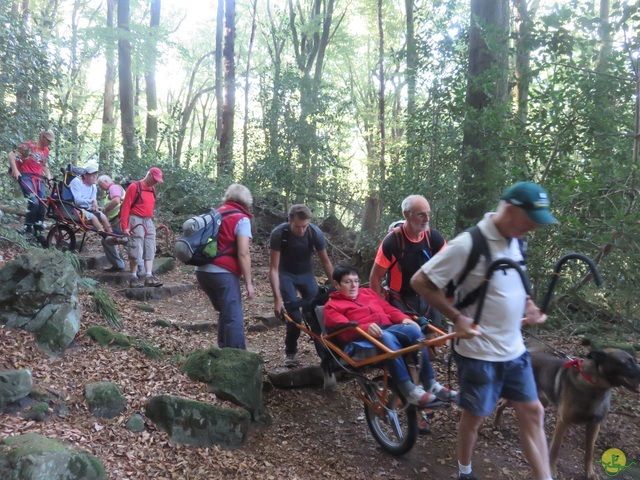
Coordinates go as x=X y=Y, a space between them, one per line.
x=533 y=199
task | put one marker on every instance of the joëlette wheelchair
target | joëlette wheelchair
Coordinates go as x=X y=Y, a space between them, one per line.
x=392 y=420
x=69 y=220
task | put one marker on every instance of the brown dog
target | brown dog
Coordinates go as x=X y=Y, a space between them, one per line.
x=581 y=392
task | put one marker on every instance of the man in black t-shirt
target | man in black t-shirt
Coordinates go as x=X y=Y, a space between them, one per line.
x=403 y=251
x=290 y=269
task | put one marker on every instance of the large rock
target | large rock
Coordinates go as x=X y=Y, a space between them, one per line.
x=104 y=399
x=232 y=374
x=14 y=385
x=34 y=457
x=198 y=423
x=39 y=293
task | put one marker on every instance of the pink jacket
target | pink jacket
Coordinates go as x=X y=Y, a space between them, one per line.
x=366 y=309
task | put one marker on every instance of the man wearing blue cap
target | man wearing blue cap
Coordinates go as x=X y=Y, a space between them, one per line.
x=491 y=356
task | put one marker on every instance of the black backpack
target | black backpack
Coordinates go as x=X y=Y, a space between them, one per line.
x=479 y=246
x=198 y=245
x=126 y=183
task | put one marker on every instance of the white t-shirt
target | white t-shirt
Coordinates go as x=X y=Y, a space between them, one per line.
x=83 y=195
x=504 y=305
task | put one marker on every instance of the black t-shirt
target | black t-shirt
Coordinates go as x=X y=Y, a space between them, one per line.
x=295 y=254
x=407 y=257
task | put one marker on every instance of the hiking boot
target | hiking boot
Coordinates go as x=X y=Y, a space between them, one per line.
x=424 y=425
x=420 y=398
x=291 y=360
x=467 y=476
x=443 y=393
x=152 y=281
x=114 y=269
x=135 y=282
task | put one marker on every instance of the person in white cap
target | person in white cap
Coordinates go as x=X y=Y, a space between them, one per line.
x=136 y=217
x=29 y=166
x=84 y=191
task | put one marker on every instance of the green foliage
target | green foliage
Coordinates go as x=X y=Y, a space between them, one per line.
x=152 y=351
x=88 y=283
x=108 y=338
x=103 y=305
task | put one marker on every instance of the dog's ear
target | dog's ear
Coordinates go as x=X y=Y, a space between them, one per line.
x=598 y=356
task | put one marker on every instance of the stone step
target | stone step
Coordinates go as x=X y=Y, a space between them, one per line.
x=156 y=293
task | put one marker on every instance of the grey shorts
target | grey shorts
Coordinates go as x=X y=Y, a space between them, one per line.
x=142 y=242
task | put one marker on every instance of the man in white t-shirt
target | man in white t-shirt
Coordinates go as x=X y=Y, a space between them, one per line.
x=84 y=191
x=491 y=357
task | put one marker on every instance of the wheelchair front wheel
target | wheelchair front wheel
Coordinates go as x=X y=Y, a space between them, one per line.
x=61 y=237
x=395 y=425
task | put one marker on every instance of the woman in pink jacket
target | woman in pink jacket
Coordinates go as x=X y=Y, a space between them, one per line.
x=389 y=325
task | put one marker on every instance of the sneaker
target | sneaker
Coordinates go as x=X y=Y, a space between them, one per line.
x=135 y=282
x=152 y=281
x=113 y=269
x=467 y=476
x=329 y=378
x=443 y=393
x=420 y=398
x=424 y=425
x=291 y=360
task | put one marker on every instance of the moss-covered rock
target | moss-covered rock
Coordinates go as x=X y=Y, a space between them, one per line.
x=232 y=374
x=198 y=423
x=38 y=412
x=14 y=385
x=34 y=457
x=104 y=399
x=109 y=338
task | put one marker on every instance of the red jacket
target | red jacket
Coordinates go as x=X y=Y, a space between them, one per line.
x=228 y=257
x=366 y=309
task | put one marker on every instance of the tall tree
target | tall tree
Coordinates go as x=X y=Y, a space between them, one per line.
x=245 y=128
x=311 y=31
x=411 y=78
x=108 y=120
x=151 y=135
x=482 y=169
x=125 y=82
x=225 y=147
x=219 y=70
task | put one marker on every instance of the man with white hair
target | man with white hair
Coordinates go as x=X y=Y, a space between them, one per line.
x=111 y=208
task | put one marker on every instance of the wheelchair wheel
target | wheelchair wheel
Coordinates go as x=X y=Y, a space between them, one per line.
x=394 y=425
x=61 y=237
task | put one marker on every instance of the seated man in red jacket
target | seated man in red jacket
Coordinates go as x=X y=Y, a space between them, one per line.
x=386 y=323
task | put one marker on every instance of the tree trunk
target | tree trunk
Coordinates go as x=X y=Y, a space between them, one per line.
x=482 y=170
x=412 y=155
x=219 y=69
x=108 y=121
x=225 y=148
x=151 y=137
x=126 y=87
x=245 y=127
x=381 y=98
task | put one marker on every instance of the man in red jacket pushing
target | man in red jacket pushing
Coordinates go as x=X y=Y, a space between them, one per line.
x=389 y=325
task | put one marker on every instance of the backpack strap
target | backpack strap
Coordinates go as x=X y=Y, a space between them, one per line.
x=479 y=246
x=138 y=196
x=286 y=232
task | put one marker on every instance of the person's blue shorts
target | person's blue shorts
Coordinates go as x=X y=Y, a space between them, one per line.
x=482 y=383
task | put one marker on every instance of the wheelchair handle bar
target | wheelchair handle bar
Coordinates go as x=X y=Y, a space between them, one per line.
x=556 y=274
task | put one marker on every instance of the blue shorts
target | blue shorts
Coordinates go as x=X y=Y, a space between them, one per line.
x=482 y=383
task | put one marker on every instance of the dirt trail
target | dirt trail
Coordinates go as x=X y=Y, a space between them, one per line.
x=314 y=433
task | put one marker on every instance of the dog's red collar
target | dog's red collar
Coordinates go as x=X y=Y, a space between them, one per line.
x=577 y=363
